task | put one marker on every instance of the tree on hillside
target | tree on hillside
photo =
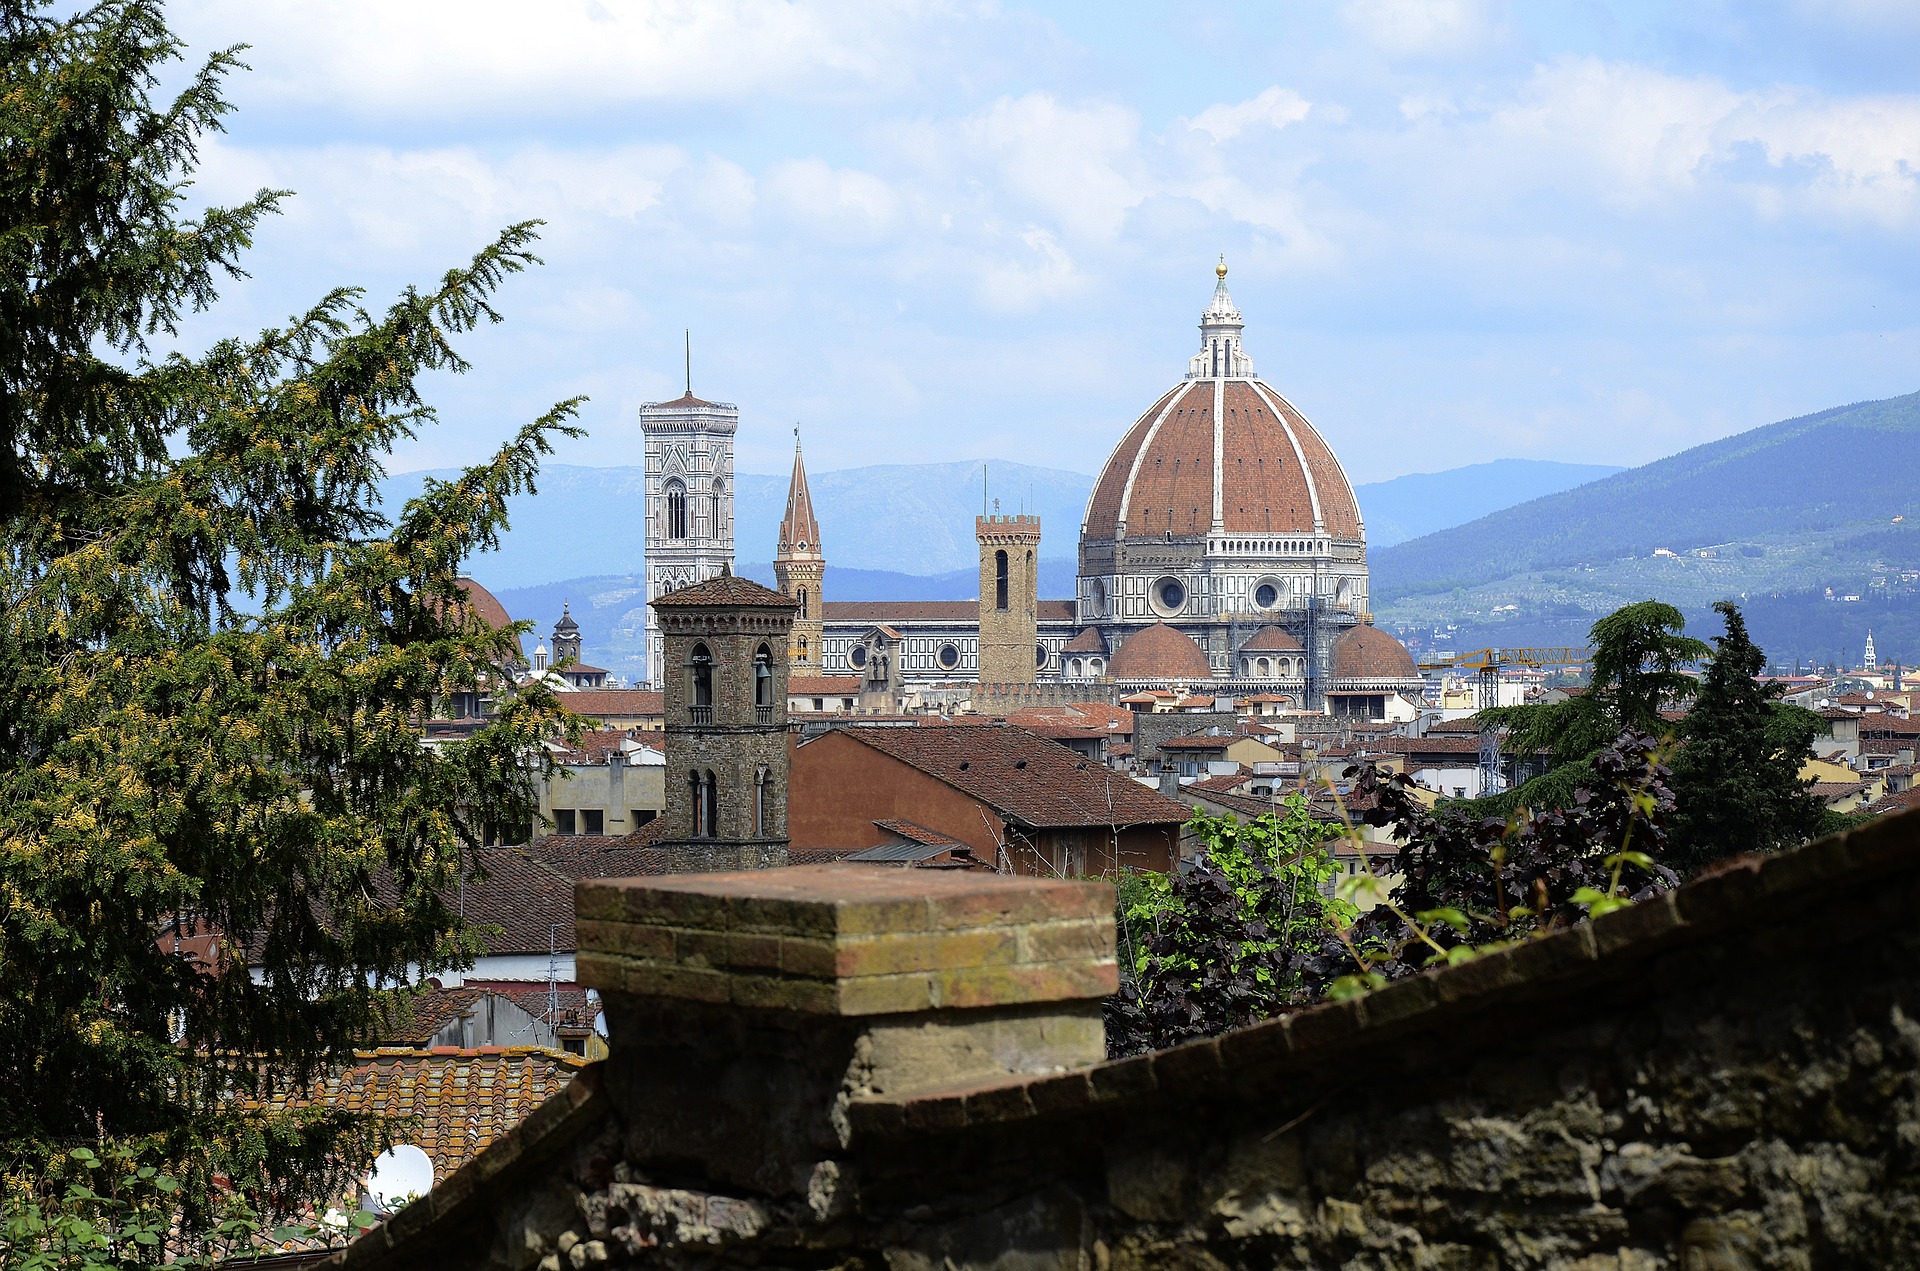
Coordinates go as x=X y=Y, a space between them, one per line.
x=215 y=649
x=1638 y=653
x=1737 y=775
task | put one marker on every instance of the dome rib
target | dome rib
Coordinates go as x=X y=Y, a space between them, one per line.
x=1133 y=471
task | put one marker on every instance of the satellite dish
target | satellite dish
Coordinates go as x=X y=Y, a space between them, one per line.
x=400 y=1174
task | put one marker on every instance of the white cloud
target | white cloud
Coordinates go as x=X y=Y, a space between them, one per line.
x=837 y=202
x=495 y=58
x=1079 y=164
x=1429 y=28
x=1275 y=108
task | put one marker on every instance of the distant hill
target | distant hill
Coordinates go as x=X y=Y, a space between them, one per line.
x=905 y=518
x=1423 y=502
x=1824 y=502
x=915 y=519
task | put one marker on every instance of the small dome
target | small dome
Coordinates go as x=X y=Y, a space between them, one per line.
x=1271 y=640
x=1088 y=641
x=1160 y=652
x=566 y=625
x=1367 y=653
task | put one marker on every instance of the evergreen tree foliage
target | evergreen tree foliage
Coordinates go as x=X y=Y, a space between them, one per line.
x=1638 y=653
x=216 y=648
x=1737 y=776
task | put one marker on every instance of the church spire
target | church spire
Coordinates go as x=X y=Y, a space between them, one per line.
x=799 y=531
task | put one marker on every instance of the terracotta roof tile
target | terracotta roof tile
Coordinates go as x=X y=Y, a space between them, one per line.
x=449 y=1103
x=1365 y=652
x=1088 y=641
x=822 y=685
x=726 y=590
x=617 y=703
x=1025 y=778
x=1159 y=652
x=1271 y=640
x=907 y=612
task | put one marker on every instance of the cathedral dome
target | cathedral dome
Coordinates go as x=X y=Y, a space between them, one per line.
x=1221 y=453
x=1160 y=652
x=1367 y=653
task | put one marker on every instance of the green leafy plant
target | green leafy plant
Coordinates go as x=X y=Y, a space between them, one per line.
x=1230 y=938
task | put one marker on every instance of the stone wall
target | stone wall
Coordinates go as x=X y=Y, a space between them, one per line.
x=1725 y=1077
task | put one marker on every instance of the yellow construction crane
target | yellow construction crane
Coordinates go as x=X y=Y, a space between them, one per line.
x=1486 y=664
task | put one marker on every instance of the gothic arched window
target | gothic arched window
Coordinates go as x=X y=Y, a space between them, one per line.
x=676 y=510
x=999 y=580
x=713 y=806
x=763 y=677
x=701 y=683
x=803 y=603
x=716 y=527
x=760 y=776
x=697 y=792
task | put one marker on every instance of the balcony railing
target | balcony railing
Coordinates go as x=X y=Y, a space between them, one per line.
x=701 y=714
x=763 y=714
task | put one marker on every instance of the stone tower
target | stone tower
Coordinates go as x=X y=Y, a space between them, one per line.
x=566 y=636
x=724 y=647
x=689 y=480
x=799 y=569
x=1873 y=658
x=1009 y=598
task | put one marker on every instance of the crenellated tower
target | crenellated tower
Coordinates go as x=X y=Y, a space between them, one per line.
x=1009 y=598
x=799 y=569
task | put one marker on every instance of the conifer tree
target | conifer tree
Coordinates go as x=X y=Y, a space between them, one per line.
x=1638 y=653
x=216 y=648
x=1737 y=777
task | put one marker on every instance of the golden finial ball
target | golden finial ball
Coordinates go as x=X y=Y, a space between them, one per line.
x=1220 y=270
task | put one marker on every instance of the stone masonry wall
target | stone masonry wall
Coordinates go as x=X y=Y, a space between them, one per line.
x=1726 y=1077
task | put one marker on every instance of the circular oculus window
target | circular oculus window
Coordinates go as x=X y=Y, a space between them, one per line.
x=1266 y=595
x=857 y=655
x=949 y=656
x=1169 y=596
x=1039 y=655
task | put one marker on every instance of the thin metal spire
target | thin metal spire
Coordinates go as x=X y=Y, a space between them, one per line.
x=689 y=338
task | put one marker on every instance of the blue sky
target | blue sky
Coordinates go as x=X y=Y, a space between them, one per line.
x=1459 y=229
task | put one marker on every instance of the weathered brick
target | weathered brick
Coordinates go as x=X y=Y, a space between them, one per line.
x=1470 y=980
x=1804 y=869
x=880 y=1117
x=754 y=951
x=772 y=992
x=1325 y=1024
x=1722 y=895
x=1551 y=957
x=700 y=949
x=1091 y=938
x=931 y=1114
x=1403 y=999
x=1046 y=982
x=868 y=915
x=885 y=994
x=1122 y=1078
x=781 y=915
x=1004 y=1102
x=694 y=984
x=1193 y=1064
x=632 y=939
x=807 y=957
x=930 y=951
x=1030 y=900
x=1637 y=924
x=1057 y=1096
x=1258 y=1044
x=599 y=970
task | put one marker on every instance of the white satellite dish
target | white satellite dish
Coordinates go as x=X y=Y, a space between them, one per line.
x=400 y=1174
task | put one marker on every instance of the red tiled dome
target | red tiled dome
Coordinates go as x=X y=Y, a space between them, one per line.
x=1271 y=640
x=1159 y=652
x=1276 y=475
x=1367 y=653
x=1221 y=453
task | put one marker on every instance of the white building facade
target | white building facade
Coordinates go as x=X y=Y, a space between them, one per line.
x=689 y=479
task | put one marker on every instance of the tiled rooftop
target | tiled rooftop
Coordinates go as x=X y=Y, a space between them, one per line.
x=1028 y=779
